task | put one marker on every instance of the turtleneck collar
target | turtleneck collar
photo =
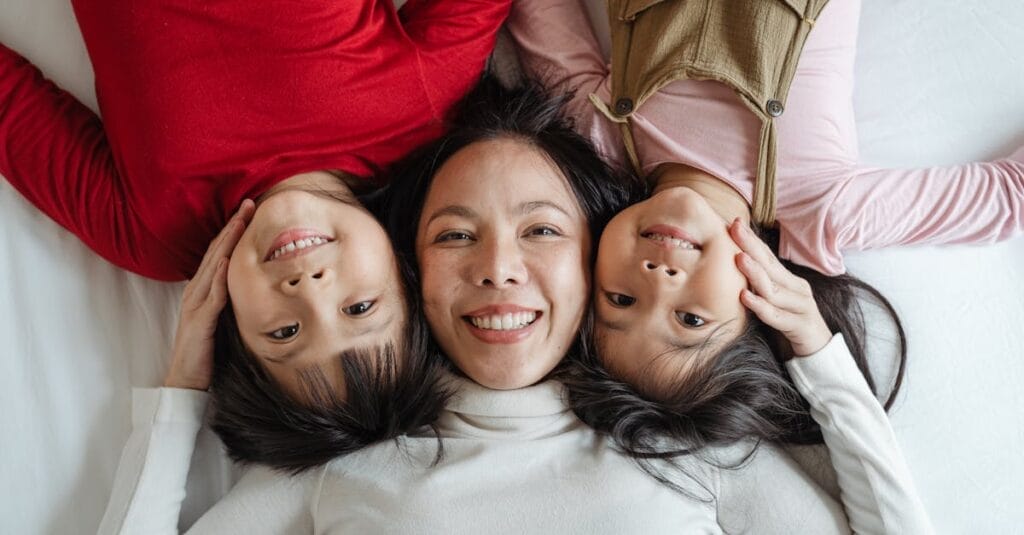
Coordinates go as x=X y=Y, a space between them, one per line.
x=522 y=414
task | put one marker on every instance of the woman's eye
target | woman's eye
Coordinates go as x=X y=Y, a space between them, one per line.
x=453 y=235
x=620 y=300
x=690 y=320
x=543 y=231
x=360 y=308
x=284 y=333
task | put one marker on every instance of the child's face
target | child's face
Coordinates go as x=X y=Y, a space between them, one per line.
x=502 y=246
x=311 y=277
x=666 y=287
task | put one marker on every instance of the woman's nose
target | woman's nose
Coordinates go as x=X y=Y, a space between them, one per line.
x=500 y=265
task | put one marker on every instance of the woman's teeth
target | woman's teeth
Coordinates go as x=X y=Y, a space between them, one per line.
x=504 y=322
x=674 y=242
x=298 y=244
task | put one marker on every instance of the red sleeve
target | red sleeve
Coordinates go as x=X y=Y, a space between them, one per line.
x=454 y=39
x=54 y=152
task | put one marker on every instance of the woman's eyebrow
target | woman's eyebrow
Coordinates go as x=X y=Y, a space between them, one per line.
x=532 y=206
x=453 y=210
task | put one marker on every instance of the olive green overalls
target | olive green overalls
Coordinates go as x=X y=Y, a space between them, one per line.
x=750 y=45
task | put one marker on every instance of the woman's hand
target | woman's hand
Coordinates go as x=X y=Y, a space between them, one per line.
x=779 y=298
x=204 y=298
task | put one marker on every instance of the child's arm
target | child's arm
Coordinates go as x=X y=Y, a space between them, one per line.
x=557 y=47
x=54 y=151
x=454 y=39
x=872 y=208
x=875 y=484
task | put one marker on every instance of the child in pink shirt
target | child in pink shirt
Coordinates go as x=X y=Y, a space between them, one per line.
x=689 y=309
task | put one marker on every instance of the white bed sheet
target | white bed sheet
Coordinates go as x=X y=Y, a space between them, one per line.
x=938 y=83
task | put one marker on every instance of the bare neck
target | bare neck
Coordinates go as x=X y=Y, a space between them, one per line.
x=724 y=200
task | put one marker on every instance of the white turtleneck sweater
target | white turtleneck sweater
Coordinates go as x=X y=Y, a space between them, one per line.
x=520 y=462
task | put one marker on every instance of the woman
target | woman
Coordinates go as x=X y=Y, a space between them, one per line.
x=500 y=217
x=205 y=106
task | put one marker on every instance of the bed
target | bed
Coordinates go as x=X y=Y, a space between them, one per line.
x=937 y=83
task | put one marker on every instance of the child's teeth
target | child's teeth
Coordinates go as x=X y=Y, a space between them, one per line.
x=299 y=244
x=675 y=242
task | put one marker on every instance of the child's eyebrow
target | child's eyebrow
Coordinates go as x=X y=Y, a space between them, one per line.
x=679 y=345
x=613 y=325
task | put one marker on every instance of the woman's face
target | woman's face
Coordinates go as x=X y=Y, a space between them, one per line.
x=503 y=246
x=311 y=277
x=667 y=286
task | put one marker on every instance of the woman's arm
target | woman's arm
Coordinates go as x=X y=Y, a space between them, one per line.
x=875 y=484
x=771 y=494
x=54 y=151
x=150 y=483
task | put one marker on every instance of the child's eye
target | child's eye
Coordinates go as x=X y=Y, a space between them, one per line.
x=284 y=333
x=452 y=235
x=360 y=308
x=690 y=320
x=620 y=300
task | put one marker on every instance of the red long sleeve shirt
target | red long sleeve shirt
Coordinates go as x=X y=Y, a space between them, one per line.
x=209 y=104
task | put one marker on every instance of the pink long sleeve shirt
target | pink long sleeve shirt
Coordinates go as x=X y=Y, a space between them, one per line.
x=827 y=203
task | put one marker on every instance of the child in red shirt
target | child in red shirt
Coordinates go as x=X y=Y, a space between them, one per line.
x=294 y=104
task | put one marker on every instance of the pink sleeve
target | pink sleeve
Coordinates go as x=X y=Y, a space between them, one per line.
x=557 y=47
x=972 y=203
x=54 y=151
x=557 y=44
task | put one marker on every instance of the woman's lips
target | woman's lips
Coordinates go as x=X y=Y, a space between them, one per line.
x=502 y=324
x=295 y=242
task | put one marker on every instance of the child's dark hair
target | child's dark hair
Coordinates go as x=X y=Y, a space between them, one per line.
x=390 y=391
x=743 y=391
x=527 y=112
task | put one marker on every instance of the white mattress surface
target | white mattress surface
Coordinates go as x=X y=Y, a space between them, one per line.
x=938 y=83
